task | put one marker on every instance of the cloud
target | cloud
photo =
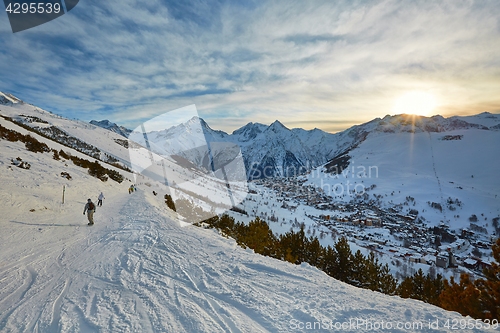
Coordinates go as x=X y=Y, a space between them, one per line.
x=297 y=61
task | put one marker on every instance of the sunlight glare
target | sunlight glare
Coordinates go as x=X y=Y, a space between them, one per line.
x=415 y=102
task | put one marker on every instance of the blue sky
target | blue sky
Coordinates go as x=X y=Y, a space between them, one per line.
x=326 y=64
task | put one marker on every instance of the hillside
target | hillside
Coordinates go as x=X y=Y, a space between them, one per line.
x=450 y=162
x=138 y=270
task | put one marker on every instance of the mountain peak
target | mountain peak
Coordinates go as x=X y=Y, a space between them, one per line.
x=249 y=131
x=112 y=127
x=277 y=126
x=6 y=98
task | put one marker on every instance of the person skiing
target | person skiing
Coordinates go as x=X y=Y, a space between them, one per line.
x=90 y=209
x=99 y=199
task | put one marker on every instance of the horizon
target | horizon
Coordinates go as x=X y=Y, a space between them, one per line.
x=276 y=120
x=312 y=65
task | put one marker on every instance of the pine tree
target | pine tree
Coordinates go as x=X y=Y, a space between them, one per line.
x=329 y=261
x=314 y=252
x=413 y=286
x=388 y=283
x=490 y=287
x=433 y=288
x=462 y=297
x=258 y=236
x=359 y=276
x=343 y=260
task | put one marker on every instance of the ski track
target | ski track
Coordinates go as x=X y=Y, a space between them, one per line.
x=136 y=270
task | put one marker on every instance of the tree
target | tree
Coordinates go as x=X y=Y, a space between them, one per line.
x=258 y=236
x=462 y=297
x=359 y=276
x=489 y=288
x=343 y=260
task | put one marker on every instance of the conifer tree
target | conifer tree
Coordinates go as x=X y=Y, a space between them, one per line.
x=329 y=261
x=432 y=289
x=314 y=252
x=462 y=297
x=343 y=260
x=258 y=236
x=388 y=283
x=490 y=287
x=359 y=275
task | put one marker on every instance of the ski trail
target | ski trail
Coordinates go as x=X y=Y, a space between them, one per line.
x=56 y=308
x=443 y=202
x=19 y=294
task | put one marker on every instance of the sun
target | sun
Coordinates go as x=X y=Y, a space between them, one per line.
x=415 y=102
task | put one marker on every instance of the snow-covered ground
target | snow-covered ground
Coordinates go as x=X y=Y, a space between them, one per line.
x=138 y=270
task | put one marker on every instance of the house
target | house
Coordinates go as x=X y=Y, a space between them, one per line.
x=442 y=261
x=446 y=259
x=471 y=263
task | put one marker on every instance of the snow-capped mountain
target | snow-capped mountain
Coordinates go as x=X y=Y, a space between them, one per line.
x=268 y=151
x=276 y=151
x=81 y=136
x=444 y=170
x=123 y=131
x=6 y=99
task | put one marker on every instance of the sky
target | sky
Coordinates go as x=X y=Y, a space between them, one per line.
x=310 y=64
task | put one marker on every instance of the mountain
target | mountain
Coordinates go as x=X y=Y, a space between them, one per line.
x=276 y=151
x=403 y=162
x=444 y=170
x=139 y=269
x=123 y=131
x=268 y=151
x=70 y=134
x=6 y=99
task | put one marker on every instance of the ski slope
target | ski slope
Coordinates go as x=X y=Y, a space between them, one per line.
x=138 y=270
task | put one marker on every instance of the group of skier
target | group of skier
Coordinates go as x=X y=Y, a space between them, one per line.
x=90 y=208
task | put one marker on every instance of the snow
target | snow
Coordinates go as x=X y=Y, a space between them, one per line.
x=138 y=270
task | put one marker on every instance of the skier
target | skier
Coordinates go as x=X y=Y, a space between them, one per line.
x=90 y=209
x=99 y=199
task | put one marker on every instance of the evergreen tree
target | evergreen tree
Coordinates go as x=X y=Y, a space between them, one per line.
x=258 y=236
x=343 y=261
x=462 y=297
x=433 y=288
x=490 y=287
x=314 y=252
x=329 y=261
x=359 y=276
x=388 y=283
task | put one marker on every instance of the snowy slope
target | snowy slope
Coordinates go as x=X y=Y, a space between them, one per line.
x=108 y=142
x=456 y=161
x=138 y=270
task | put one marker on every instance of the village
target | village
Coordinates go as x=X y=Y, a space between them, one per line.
x=386 y=231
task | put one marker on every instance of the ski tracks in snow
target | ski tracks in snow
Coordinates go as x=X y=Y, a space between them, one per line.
x=137 y=270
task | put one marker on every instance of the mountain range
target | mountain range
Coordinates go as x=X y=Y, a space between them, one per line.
x=277 y=151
